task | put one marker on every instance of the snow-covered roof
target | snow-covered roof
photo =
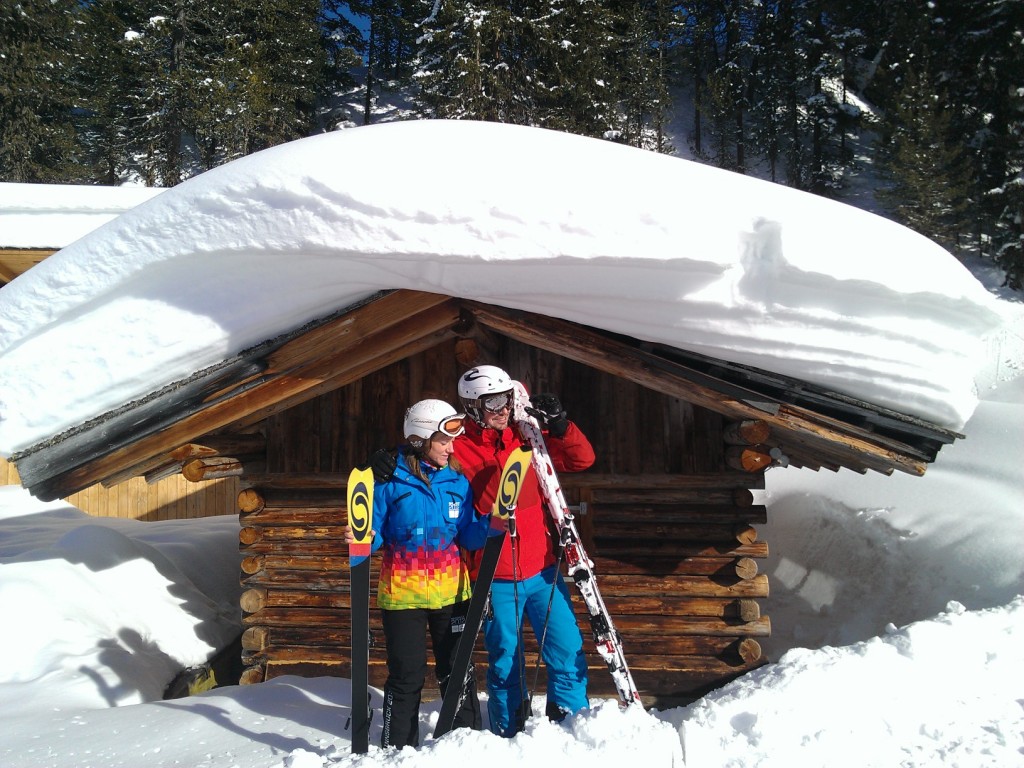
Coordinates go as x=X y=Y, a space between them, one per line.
x=51 y=216
x=653 y=247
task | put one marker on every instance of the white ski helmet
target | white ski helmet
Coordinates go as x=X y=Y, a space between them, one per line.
x=426 y=417
x=481 y=384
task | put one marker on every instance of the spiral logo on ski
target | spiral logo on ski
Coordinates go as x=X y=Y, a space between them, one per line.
x=516 y=466
x=359 y=509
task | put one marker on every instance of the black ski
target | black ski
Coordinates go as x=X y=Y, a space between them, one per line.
x=360 y=521
x=504 y=510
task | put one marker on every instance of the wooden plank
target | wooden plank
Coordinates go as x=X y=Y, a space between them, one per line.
x=318 y=515
x=644 y=514
x=292 y=533
x=328 y=493
x=743 y=567
x=315 y=547
x=627 y=529
x=645 y=624
x=654 y=481
x=712 y=607
x=283 y=563
x=334 y=644
x=570 y=481
x=678 y=586
x=630 y=550
x=684 y=625
x=706 y=497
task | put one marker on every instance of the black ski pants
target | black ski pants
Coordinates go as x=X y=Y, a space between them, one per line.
x=405 y=636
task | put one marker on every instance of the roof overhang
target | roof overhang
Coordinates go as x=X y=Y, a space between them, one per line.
x=812 y=427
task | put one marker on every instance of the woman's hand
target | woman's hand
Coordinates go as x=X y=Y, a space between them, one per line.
x=350 y=537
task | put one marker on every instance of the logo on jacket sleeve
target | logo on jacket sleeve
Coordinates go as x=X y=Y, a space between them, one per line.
x=453 y=508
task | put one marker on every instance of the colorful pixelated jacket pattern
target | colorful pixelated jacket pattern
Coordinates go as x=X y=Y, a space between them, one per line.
x=421 y=528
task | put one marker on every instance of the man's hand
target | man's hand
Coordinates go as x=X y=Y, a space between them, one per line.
x=547 y=409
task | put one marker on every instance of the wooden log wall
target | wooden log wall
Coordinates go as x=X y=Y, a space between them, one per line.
x=170 y=497
x=666 y=516
x=676 y=558
x=634 y=430
x=297 y=595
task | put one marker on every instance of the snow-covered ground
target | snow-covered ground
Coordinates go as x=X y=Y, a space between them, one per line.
x=896 y=609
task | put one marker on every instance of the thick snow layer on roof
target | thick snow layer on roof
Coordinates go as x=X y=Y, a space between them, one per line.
x=51 y=216
x=658 y=248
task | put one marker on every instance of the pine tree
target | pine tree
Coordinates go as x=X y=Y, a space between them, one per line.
x=574 y=78
x=176 y=87
x=546 y=63
x=392 y=43
x=461 y=67
x=104 y=74
x=1009 y=230
x=342 y=42
x=1008 y=196
x=930 y=175
x=36 y=121
x=983 y=67
x=720 y=33
x=645 y=38
x=768 y=46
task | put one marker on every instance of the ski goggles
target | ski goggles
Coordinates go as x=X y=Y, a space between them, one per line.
x=453 y=426
x=496 y=403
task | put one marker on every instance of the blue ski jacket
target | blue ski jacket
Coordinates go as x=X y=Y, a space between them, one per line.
x=420 y=527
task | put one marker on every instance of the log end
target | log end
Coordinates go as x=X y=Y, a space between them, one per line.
x=746 y=568
x=253 y=599
x=749 y=650
x=255 y=638
x=250 y=500
x=252 y=675
x=748 y=610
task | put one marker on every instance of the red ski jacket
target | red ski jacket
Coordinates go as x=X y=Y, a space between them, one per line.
x=482 y=454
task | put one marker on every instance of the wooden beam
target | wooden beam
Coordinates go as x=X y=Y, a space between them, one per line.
x=832 y=438
x=6 y=273
x=15 y=261
x=158 y=467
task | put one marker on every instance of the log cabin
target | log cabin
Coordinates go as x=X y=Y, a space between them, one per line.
x=683 y=437
x=667 y=513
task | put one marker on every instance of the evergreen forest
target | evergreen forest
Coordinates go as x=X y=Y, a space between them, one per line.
x=155 y=91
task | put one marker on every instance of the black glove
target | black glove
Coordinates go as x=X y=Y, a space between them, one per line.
x=547 y=409
x=382 y=462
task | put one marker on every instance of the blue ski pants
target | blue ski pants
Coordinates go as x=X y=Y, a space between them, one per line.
x=562 y=651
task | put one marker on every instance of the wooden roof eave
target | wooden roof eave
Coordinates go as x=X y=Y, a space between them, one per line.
x=330 y=355
x=830 y=440
x=15 y=261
